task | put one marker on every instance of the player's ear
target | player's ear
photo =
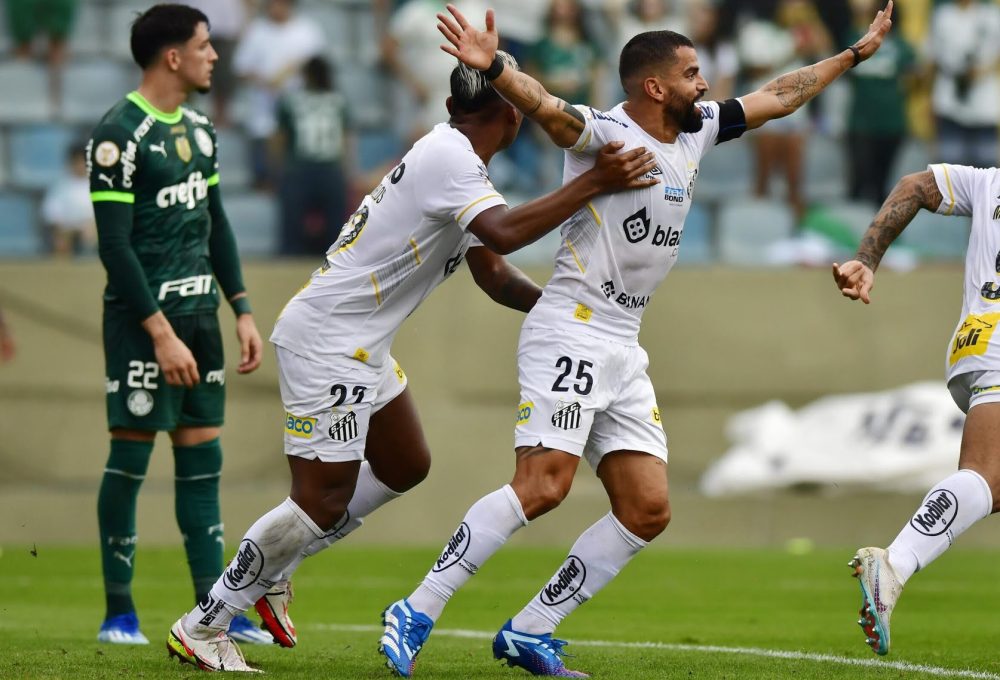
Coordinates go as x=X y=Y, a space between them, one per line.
x=513 y=115
x=654 y=88
x=447 y=103
x=172 y=58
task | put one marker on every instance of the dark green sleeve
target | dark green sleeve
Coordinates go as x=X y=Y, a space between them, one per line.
x=125 y=275
x=223 y=254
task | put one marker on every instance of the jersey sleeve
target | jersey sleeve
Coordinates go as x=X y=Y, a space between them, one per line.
x=460 y=189
x=600 y=128
x=958 y=185
x=112 y=158
x=721 y=122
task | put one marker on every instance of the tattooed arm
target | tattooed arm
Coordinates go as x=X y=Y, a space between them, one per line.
x=476 y=49
x=787 y=93
x=919 y=190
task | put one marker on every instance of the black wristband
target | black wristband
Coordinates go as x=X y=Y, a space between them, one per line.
x=241 y=305
x=495 y=69
x=857 y=55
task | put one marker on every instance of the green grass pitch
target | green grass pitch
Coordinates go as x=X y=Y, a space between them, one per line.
x=706 y=614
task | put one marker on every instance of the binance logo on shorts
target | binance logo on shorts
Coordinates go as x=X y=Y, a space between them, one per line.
x=343 y=426
x=299 y=427
x=524 y=412
x=567 y=416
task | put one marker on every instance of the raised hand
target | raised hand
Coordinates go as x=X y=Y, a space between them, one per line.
x=854 y=279
x=872 y=40
x=614 y=171
x=472 y=47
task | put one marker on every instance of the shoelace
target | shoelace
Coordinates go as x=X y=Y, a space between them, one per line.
x=556 y=646
x=415 y=633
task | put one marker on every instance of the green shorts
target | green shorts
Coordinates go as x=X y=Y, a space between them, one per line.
x=138 y=396
x=28 y=18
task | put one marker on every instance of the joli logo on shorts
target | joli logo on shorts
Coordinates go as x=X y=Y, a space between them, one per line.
x=566 y=583
x=938 y=513
x=455 y=550
x=245 y=568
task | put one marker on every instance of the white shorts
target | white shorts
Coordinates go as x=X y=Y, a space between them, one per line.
x=586 y=396
x=328 y=406
x=976 y=387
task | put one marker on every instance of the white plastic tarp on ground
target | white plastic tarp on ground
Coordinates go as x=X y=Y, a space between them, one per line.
x=904 y=439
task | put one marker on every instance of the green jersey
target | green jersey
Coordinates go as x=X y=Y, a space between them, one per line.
x=162 y=166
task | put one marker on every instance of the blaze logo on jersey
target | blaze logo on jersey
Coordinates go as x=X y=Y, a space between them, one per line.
x=187 y=193
x=343 y=426
x=973 y=337
x=186 y=287
x=567 y=415
x=636 y=226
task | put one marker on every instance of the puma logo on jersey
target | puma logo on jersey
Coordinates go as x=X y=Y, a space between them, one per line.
x=104 y=178
x=159 y=148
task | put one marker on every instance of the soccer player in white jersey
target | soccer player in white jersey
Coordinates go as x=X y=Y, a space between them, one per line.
x=352 y=434
x=972 y=367
x=584 y=388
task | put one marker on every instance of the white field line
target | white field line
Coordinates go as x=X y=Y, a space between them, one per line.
x=709 y=649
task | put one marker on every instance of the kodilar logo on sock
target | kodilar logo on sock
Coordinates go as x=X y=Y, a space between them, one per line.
x=566 y=583
x=938 y=513
x=245 y=568
x=455 y=550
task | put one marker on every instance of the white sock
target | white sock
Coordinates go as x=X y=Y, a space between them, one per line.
x=369 y=495
x=597 y=556
x=267 y=548
x=487 y=525
x=953 y=506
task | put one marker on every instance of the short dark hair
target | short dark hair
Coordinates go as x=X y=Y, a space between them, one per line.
x=317 y=74
x=163 y=26
x=649 y=49
x=471 y=90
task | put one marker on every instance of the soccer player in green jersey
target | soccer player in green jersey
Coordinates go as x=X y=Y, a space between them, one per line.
x=168 y=249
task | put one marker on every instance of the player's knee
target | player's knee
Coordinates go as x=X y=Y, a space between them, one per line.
x=405 y=472
x=647 y=521
x=542 y=495
x=325 y=509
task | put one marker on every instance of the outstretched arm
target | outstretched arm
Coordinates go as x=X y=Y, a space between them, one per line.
x=787 y=93
x=504 y=231
x=857 y=277
x=477 y=49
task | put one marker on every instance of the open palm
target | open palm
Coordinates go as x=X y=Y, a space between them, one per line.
x=472 y=47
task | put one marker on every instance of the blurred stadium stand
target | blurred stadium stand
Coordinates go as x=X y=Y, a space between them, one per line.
x=725 y=224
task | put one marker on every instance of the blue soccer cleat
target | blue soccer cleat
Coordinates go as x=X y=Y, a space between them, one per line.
x=243 y=629
x=537 y=654
x=122 y=630
x=406 y=631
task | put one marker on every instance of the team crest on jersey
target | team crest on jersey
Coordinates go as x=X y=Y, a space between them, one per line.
x=692 y=176
x=636 y=226
x=183 y=147
x=140 y=403
x=204 y=142
x=343 y=426
x=107 y=154
x=352 y=228
x=567 y=415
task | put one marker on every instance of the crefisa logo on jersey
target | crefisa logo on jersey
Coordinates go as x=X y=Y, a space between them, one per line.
x=938 y=513
x=566 y=583
x=458 y=544
x=245 y=568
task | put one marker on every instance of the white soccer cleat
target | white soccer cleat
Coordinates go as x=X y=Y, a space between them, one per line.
x=218 y=653
x=273 y=611
x=880 y=590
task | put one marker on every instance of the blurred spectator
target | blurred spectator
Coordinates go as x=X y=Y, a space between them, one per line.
x=768 y=49
x=523 y=25
x=270 y=56
x=7 y=346
x=227 y=19
x=412 y=51
x=27 y=19
x=717 y=56
x=568 y=64
x=876 y=121
x=312 y=123
x=67 y=211
x=965 y=45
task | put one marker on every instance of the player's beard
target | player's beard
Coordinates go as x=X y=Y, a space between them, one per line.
x=686 y=115
x=203 y=90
